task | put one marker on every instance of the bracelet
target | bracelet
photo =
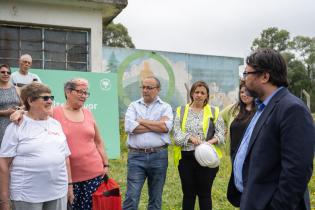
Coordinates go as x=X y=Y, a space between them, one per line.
x=70 y=183
x=5 y=201
x=106 y=165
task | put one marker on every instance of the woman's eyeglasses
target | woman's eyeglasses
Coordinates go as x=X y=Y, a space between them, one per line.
x=82 y=93
x=5 y=72
x=45 y=98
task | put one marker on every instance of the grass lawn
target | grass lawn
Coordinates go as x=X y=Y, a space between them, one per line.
x=172 y=194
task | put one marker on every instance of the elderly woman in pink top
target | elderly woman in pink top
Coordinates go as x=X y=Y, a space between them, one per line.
x=88 y=160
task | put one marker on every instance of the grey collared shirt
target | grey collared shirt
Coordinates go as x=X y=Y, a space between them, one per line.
x=154 y=111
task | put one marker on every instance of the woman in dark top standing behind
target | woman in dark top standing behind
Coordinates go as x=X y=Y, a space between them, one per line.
x=237 y=117
x=9 y=98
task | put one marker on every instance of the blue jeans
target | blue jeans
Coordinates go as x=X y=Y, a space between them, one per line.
x=152 y=166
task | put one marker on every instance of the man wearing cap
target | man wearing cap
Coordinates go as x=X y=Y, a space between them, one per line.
x=148 y=122
x=23 y=76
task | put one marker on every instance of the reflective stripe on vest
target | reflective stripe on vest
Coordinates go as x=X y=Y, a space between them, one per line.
x=182 y=112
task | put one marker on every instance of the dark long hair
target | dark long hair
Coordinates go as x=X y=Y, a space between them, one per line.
x=242 y=114
x=194 y=87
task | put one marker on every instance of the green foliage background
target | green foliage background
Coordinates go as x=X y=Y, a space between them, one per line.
x=116 y=35
x=299 y=53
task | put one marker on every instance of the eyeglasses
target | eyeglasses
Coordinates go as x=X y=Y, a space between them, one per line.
x=245 y=73
x=82 y=93
x=5 y=72
x=147 y=87
x=27 y=62
x=46 y=98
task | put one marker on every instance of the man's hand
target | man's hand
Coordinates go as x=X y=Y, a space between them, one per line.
x=157 y=126
x=164 y=118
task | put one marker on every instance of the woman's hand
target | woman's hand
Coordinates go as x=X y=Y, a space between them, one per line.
x=10 y=111
x=70 y=194
x=105 y=171
x=195 y=140
x=17 y=116
x=5 y=205
x=213 y=141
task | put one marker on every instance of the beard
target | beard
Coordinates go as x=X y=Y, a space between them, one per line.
x=252 y=93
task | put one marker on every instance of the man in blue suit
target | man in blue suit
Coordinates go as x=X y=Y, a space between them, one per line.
x=274 y=161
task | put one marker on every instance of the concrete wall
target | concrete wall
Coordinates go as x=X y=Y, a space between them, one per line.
x=176 y=71
x=56 y=15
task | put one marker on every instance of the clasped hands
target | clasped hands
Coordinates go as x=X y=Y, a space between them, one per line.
x=195 y=140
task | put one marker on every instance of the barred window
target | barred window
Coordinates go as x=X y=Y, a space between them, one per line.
x=50 y=48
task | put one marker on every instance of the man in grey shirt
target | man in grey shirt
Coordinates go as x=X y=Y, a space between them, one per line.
x=23 y=76
x=148 y=122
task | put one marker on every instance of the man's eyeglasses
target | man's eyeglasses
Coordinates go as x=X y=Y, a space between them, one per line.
x=245 y=73
x=5 y=72
x=147 y=87
x=82 y=93
x=27 y=62
x=46 y=98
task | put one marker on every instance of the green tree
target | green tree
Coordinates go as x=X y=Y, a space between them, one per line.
x=298 y=78
x=272 y=38
x=305 y=50
x=116 y=35
x=299 y=54
x=112 y=63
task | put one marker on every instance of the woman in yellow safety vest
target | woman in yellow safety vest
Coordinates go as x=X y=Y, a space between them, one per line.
x=195 y=123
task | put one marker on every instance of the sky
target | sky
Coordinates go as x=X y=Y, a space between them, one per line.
x=212 y=27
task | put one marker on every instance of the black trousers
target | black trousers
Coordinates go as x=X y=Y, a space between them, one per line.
x=196 y=181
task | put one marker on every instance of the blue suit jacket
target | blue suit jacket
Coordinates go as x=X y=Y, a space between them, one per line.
x=279 y=160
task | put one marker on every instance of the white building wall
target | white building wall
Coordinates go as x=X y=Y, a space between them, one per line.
x=48 y=14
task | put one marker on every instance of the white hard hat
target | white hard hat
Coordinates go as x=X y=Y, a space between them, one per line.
x=206 y=155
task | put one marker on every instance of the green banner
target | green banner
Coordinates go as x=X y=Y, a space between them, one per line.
x=103 y=101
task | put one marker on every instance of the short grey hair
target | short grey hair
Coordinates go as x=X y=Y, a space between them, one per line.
x=26 y=56
x=158 y=83
x=72 y=84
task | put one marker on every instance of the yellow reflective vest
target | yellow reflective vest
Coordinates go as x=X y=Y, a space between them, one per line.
x=207 y=117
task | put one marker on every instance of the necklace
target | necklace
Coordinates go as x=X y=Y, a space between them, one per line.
x=41 y=123
x=45 y=126
x=5 y=86
x=47 y=129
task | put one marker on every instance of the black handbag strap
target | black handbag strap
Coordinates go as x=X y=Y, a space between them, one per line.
x=112 y=192
x=105 y=178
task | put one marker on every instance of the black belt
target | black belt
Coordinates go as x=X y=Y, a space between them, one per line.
x=147 y=150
